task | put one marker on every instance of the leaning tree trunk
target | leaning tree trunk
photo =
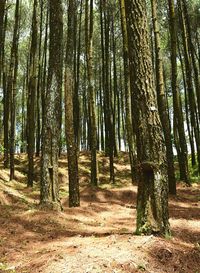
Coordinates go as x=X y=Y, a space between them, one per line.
x=152 y=200
x=52 y=107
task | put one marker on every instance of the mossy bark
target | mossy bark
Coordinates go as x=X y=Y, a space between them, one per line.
x=152 y=200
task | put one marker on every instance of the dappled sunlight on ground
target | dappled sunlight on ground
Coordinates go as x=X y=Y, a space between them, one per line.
x=99 y=235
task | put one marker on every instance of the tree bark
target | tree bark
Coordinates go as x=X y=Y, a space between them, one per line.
x=74 y=198
x=129 y=125
x=49 y=194
x=152 y=199
x=178 y=115
x=12 y=81
x=162 y=101
x=91 y=91
x=189 y=60
x=31 y=121
x=2 y=13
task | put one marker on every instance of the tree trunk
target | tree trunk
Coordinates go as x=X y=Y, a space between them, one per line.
x=31 y=97
x=49 y=194
x=152 y=201
x=6 y=105
x=162 y=101
x=178 y=115
x=39 y=84
x=74 y=198
x=91 y=92
x=12 y=81
x=189 y=76
x=2 y=38
x=129 y=125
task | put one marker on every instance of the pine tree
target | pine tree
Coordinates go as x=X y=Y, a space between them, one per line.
x=152 y=204
x=52 y=110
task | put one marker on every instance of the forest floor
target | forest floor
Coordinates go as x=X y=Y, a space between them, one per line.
x=99 y=235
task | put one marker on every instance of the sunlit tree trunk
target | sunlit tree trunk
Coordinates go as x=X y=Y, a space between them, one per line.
x=152 y=199
x=49 y=194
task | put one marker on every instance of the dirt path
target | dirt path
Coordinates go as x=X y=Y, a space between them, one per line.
x=98 y=236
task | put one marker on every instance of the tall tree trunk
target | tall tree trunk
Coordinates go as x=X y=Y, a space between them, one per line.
x=108 y=93
x=49 y=194
x=105 y=138
x=190 y=130
x=162 y=101
x=189 y=76
x=191 y=49
x=77 y=114
x=6 y=105
x=152 y=201
x=12 y=81
x=31 y=97
x=91 y=91
x=44 y=69
x=74 y=198
x=22 y=147
x=115 y=84
x=2 y=13
x=178 y=115
x=129 y=125
x=39 y=83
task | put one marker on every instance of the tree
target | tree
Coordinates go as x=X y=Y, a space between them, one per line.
x=2 y=12
x=11 y=87
x=31 y=97
x=152 y=201
x=91 y=92
x=49 y=195
x=129 y=125
x=162 y=100
x=180 y=140
x=189 y=59
x=74 y=198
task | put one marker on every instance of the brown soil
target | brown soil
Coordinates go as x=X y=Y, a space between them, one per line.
x=98 y=236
